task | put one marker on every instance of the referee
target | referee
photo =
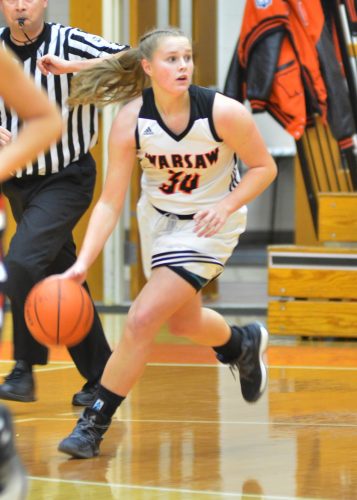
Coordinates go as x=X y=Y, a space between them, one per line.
x=50 y=195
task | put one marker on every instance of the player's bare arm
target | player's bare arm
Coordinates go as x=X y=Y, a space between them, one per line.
x=235 y=125
x=121 y=161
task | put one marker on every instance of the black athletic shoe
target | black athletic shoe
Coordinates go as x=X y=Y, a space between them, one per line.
x=250 y=363
x=19 y=385
x=13 y=480
x=86 y=396
x=84 y=440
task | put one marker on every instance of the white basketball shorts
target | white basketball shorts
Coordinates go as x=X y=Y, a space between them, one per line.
x=167 y=240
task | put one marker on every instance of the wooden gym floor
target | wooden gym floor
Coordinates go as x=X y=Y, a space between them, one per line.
x=186 y=433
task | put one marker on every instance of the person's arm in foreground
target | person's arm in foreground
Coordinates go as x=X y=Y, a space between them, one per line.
x=235 y=125
x=43 y=123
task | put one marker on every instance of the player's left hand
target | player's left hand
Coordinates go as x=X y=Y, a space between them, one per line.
x=210 y=221
x=52 y=64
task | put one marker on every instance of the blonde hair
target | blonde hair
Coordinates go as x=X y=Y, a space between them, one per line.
x=118 y=78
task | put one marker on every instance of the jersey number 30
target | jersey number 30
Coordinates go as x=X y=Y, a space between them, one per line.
x=179 y=181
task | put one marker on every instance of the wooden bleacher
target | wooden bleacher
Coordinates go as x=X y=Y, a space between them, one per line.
x=312 y=285
x=313 y=291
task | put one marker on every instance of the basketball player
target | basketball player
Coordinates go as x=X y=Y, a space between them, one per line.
x=43 y=126
x=191 y=213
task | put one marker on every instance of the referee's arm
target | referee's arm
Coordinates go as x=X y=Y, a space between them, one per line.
x=53 y=64
x=84 y=50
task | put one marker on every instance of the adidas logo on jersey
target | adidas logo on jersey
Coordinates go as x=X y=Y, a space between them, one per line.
x=148 y=131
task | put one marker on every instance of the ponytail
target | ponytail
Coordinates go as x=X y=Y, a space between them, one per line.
x=115 y=79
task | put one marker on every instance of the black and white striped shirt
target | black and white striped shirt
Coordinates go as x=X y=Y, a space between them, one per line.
x=81 y=123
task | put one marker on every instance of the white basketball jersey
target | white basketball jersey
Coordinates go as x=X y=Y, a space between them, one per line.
x=186 y=172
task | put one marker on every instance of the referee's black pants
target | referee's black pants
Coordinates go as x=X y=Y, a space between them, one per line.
x=46 y=209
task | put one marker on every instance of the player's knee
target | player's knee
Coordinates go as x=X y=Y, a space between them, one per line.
x=140 y=325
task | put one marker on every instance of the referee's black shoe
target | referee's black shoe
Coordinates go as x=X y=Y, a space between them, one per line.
x=19 y=385
x=13 y=480
x=86 y=396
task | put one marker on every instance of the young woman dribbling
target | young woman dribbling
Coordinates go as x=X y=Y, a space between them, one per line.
x=191 y=212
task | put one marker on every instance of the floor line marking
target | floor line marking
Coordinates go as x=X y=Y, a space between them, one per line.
x=68 y=364
x=200 y=422
x=166 y=490
x=65 y=361
x=292 y=367
x=44 y=370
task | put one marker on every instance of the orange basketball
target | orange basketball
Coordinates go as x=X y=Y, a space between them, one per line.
x=58 y=312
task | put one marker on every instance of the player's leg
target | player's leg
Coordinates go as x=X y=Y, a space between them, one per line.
x=241 y=347
x=161 y=297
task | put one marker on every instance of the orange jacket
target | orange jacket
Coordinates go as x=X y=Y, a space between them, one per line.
x=285 y=64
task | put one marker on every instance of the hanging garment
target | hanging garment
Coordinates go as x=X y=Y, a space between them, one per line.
x=285 y=64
